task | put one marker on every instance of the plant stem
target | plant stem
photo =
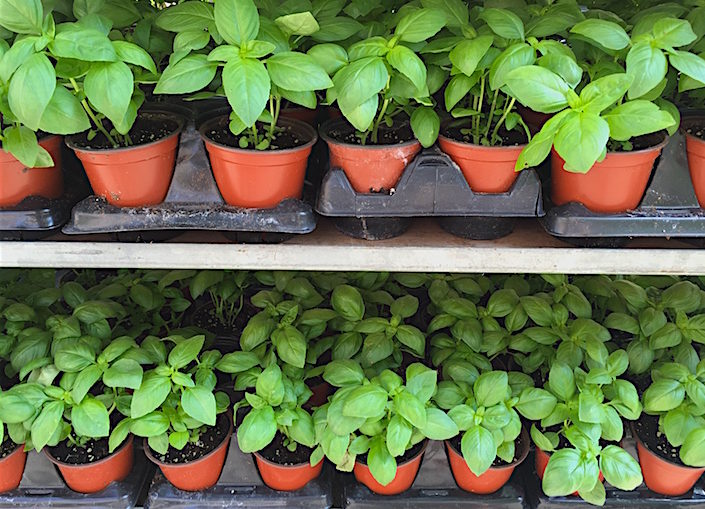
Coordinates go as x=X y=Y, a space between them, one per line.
x=99 y=125
x=378 y=121
x=489 y=122
x=504 y=117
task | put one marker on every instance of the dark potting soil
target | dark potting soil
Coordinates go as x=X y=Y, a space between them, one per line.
x=210 y=439
x=394 y=135
x=647 y=430
x=286 y=137
x=639 y=143
x=509 y=138
x=498 y=462
x=408 y=455
x=204 y=317
x=7 y=448
x=94 y=450
x=276 y=452
x=147 y=129
x=698 y=131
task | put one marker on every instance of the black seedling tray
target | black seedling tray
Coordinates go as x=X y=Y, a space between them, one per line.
x=193 y=202
x=241 y=486
x=36 y=218
x=434 y=487
x=669 y=209
x=431 y=186
x=42 y=486
x=642 y=497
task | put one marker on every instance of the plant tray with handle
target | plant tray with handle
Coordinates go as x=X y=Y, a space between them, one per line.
x=43 y=486
x=641 y=497
x=193 y=202
x=431 y=186
x=240 y=486
x=434 y=487
x=668 y=209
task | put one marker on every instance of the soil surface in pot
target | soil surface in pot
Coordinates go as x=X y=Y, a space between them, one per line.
x=286 y=137
x=145 y=130
x=511 y=138
x=323 y=360
x=394 y=135
x=94 y=450
x=7 y=448
x=638 y=143
x=209 y=441
x=276 y=452
x=498 y=462
x=655 y=441
x=698 y=131
x=408 y=455
x=205 y=317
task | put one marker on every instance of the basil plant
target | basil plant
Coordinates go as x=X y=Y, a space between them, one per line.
x=176 y=400
x=677 y=397
x=382 y=417
x=256 y=74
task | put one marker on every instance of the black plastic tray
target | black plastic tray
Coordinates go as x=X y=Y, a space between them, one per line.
x=642 y=497
x=431 y=186
x=434 y=487
x=669 y=209
x=42 y=486
x=241 y=486
x=193 y=202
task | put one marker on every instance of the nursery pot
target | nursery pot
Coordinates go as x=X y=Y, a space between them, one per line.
x=17 y=182
x=11 y=469
x=369 y=168
x=663 y=476
x=695 y=148
x=302 y=114
x=95 y=477
x=195 y=475
x=487 y=169
x=616 y=184
x=542 y=458
x=286 y=477
x=259 y=178
x=135 y=176
x=406 y=473
x=490 y=481
x=534 y=120
x=320 y=394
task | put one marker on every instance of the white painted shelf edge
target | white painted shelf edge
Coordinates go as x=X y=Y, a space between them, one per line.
x=424 y=248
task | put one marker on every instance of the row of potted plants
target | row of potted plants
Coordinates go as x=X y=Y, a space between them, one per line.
x=361 y=369
x=597 y=89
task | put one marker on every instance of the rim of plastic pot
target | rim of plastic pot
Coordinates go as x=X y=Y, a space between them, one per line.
x=279 y=465
x=413 y=458
x=126 y=443
x=638 y=439
x=326 y=126
x=513 y=464
x=497 y=148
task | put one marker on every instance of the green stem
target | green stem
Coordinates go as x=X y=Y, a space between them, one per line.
x=89 y=111
x=378 y=121
x=504 y=117
x=489 y=121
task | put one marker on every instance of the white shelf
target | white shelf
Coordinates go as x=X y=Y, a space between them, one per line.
x=424 y=248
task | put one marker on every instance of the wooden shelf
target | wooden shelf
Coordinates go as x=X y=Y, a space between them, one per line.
x=424 y=248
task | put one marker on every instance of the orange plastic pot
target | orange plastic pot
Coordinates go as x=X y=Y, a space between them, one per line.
x=663 y=476
x=18 y=182
x=320 y=395
x=534 y=120
x=255 y=178
x=286 y=477
x=11 y=469
x=369 y=168
x=95 y=477
x=695 y=148
x=487 y=169
x=135 y=176
x=196 y=475
x=542 y=459
x=490 y=481
x=617 y=184
x=306 y=115
x=406 y=473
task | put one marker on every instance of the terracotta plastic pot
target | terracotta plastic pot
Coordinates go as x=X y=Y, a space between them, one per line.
x=301 y=114
x=617 y=184
x=490 y=481
x=286 y=477
x=11 y=469
x=18 y=182
x=406 y=473
x=320 y=395
x=255 y=178
x=135 y=176
x=487 y=169
x=370 y=168
x=542 y=459
x=195 y=475
x=695 y=148
x=534 y=120
x=663 y=476
x=94 y=477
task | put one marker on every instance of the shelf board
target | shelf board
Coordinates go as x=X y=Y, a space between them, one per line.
x=424 y=248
